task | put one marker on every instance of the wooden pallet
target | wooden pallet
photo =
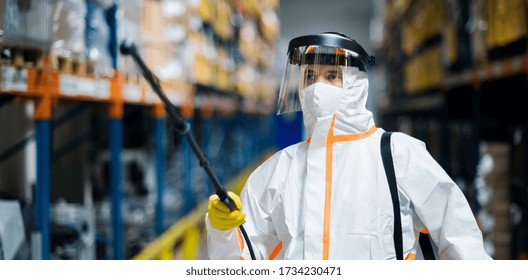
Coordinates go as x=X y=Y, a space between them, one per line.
x=72 y=66
x=23 y=56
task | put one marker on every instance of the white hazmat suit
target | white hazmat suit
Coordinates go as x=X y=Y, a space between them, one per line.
x=328 y=197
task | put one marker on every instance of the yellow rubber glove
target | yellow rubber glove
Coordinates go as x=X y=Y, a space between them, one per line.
x=221 y=217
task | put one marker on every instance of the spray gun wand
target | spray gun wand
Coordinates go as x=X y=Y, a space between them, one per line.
x=181 y=126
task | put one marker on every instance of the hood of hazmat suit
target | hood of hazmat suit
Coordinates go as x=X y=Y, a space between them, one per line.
x=328 y=197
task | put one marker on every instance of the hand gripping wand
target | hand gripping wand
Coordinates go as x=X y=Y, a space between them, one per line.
x=183 y=127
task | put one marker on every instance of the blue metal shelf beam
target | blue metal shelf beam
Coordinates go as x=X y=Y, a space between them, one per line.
x=188 y=191
x=116 y=181
x=160 y=154
x=42 y=188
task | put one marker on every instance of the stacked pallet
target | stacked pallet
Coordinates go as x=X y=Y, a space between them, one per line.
x=498 y=205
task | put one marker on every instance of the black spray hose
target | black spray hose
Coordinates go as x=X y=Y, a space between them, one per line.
x=183 y=127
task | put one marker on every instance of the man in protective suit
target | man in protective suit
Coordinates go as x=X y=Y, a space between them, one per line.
x=328 y=197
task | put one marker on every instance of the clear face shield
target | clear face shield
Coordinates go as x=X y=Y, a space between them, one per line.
x=310 y=64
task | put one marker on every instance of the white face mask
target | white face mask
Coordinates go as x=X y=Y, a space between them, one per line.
x=321 y=99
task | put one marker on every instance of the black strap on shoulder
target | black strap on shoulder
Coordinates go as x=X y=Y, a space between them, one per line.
x=386 y=156
x=425 y=242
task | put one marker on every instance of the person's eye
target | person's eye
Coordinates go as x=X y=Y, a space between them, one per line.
x=332 y=77
x=309 y=76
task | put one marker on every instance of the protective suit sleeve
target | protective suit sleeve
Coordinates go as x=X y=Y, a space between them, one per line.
x=439 y=203
x=223 y=244
x=257 y=199
x=259 y=224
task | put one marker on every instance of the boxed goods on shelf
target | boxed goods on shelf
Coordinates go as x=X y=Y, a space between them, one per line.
x=423 y=24
x=129 y=27
x=25 y=32
x=497 y=179
x=456 y=45
x=423 y=72
x=221 y=21
x=69 y=29
x=98 y=39
x=507 y=28
x=26 y=23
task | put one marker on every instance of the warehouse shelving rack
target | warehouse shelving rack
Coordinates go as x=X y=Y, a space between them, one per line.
x=479 y=102
x=46 y=87
x=42 y=86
